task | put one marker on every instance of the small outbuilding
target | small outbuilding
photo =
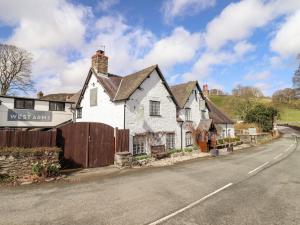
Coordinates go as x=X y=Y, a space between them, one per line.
x=223 y=124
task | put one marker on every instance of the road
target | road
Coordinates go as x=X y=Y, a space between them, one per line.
x=254 y=186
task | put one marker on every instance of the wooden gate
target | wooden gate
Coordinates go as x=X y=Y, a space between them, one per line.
x=91 y=144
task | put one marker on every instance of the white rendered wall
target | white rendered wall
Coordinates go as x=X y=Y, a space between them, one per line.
x=58 y=117
x=138 y=119
x=196 y=105
x=106 y=111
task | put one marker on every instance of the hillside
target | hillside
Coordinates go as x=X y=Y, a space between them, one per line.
x=288 y=115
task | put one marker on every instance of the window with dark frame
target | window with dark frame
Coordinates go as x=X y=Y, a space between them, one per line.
x=203 y=113
x=170 y=141
x=21 y=103
x=188 y=139
x=79 y=113
x=188 y=116
x=56 y=106
x=139 y=145
x=154 y=108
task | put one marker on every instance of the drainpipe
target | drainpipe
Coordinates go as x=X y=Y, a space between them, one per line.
x=181 y=146
x=124 y=115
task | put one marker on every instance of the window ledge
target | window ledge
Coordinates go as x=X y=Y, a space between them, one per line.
x=155 y=115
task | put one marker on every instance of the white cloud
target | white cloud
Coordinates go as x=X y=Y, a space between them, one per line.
x=258 y=76
x=286 y=41
x=180 y=8
x=238 y=20
x=202 y=68
x=105 y=5
x=180 y=47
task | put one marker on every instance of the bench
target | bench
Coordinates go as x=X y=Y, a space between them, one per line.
x=159 y=151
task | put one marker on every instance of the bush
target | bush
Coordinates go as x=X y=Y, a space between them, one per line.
x=188 y=149
x=6 y=178
x=38 y=169
x=141 y=157
x=175 y=151
x=220 y=141
x=43 y=170
x=53 y=170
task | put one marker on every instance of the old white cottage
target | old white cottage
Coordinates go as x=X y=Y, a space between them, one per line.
x=144 y=103
x=191 y=111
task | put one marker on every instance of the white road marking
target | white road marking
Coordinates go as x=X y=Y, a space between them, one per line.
x=276 y=157
x=189 y=206
x=258 y=167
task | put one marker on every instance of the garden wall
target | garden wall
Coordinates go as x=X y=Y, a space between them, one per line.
x=18 y=162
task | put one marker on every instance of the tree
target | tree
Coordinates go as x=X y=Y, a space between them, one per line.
x=247 y=92
x=262 y=115
x=216 y=91
x=285 y=96
x=15 y=69
x=296 y=80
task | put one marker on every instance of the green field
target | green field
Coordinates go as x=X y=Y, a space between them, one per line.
x=287 y=115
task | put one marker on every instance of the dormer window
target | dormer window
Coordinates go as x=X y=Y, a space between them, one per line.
x=188 y=115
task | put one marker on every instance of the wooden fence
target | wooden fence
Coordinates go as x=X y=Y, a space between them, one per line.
x=83 y=144
x=27 y=139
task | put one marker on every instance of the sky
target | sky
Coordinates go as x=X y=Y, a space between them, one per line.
x=217 y=42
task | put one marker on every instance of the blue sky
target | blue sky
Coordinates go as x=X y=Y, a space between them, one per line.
x=221 y=43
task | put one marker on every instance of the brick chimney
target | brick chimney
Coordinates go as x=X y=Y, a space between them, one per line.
x=40 y=94
x=100 y=62
x=205 y=90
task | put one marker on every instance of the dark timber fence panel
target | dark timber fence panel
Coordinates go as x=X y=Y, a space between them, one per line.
x=91 y=144
x=73 y=139
x=27 y=139
x=122 y=140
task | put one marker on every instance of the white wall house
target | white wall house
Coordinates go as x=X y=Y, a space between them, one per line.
x=191 y=111
x=20 y=112
x=142 y=102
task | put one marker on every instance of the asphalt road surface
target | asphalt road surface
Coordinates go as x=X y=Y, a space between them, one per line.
x=256 y=186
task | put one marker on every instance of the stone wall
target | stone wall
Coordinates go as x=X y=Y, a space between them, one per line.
x=18 y=162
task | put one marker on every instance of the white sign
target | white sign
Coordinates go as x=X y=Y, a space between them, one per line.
x=252 y=131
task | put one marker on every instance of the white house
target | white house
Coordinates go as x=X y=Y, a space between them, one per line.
x=191 y=111
x=141 y=102
x=21 y=112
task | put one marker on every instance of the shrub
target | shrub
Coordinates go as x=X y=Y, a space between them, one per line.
x=6 y=178
x=220 y=141
x=188 y=149
x=53 y=170
x=175 y=151
x=38 y=169
x=141 y=157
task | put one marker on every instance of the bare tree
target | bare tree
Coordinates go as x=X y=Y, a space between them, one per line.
x=247 y=92
x=296 y=79
x=15 y=69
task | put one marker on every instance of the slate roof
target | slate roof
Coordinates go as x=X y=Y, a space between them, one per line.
x=183 y=91
x=121 y=88
x=131 y=82
x=61 y=97
x=217 y=115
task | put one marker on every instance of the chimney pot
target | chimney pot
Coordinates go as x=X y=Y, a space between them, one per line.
x=100 y=62
x=40 y=94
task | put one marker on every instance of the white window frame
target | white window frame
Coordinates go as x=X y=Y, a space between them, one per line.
x=139 y=145
x=154 y=108
x=188 y=114
x=170 y=141
x=188 y=139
